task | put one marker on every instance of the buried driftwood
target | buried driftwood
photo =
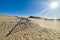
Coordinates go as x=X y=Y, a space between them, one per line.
x=20 y=23
x=12 y=29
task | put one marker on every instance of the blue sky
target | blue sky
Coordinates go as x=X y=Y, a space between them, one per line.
x=22 y=7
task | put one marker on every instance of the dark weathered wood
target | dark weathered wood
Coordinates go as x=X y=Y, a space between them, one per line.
x=19 y=23
x=13 y=28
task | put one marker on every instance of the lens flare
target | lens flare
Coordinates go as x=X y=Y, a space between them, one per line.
x=54 y=5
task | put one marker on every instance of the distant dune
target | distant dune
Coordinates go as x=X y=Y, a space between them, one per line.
x=21 y=28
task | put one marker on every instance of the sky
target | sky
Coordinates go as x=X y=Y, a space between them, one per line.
x=25 y=7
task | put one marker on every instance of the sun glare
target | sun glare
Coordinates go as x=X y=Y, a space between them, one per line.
x=51 y=11
x=54 y=5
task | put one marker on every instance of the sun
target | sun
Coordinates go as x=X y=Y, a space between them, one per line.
x=54 y=5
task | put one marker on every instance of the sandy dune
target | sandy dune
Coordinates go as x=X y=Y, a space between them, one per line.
x=14 y=28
